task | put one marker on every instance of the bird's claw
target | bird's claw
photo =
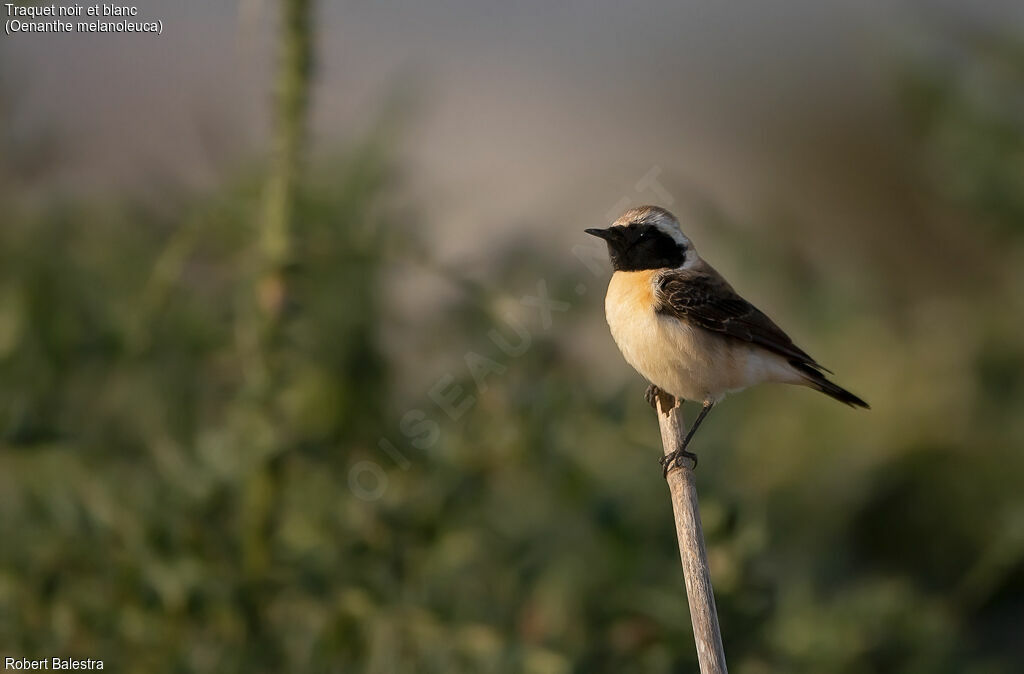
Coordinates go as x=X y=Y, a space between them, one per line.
x=651 y=396
x=675 y=460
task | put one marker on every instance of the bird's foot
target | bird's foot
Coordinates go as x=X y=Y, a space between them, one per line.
x=675 y=460
x=651 y=396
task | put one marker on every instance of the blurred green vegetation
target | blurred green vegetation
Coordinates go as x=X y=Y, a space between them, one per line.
x=175 y=487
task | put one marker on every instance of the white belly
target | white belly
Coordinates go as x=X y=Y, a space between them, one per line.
x=682 y=359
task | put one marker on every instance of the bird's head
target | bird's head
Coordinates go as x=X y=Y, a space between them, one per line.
x=647 y=237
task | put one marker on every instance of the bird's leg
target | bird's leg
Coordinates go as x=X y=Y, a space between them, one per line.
x=651 y=396
x=696 y=424
x=676 y=457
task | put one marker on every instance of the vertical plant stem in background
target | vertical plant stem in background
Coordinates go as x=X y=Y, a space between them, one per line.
x=692 y=552
x=291 y=105
x=259 y=337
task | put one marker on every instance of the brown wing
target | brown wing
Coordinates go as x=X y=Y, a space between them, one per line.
x=705 y=299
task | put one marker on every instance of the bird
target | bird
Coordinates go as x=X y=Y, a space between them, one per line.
x=681 y=325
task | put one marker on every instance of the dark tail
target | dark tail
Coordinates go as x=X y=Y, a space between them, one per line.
x=817 y=381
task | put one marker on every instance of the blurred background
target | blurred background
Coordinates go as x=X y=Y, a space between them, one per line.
x=303 y=362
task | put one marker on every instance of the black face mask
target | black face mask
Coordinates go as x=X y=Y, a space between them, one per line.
x=639 y=247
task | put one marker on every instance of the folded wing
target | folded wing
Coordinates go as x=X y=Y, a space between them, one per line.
x=705 y=299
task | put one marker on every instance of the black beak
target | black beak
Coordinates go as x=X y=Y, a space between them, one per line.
x=606 y=234
x=615 y=237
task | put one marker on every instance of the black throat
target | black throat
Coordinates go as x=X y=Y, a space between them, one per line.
x=640 y=247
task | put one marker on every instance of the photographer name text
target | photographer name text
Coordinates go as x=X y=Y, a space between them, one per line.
x=55 y=664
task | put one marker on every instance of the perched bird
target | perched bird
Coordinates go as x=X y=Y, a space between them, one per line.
x=684 y=328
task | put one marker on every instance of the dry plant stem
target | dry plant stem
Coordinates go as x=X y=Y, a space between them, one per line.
x=694 y=556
